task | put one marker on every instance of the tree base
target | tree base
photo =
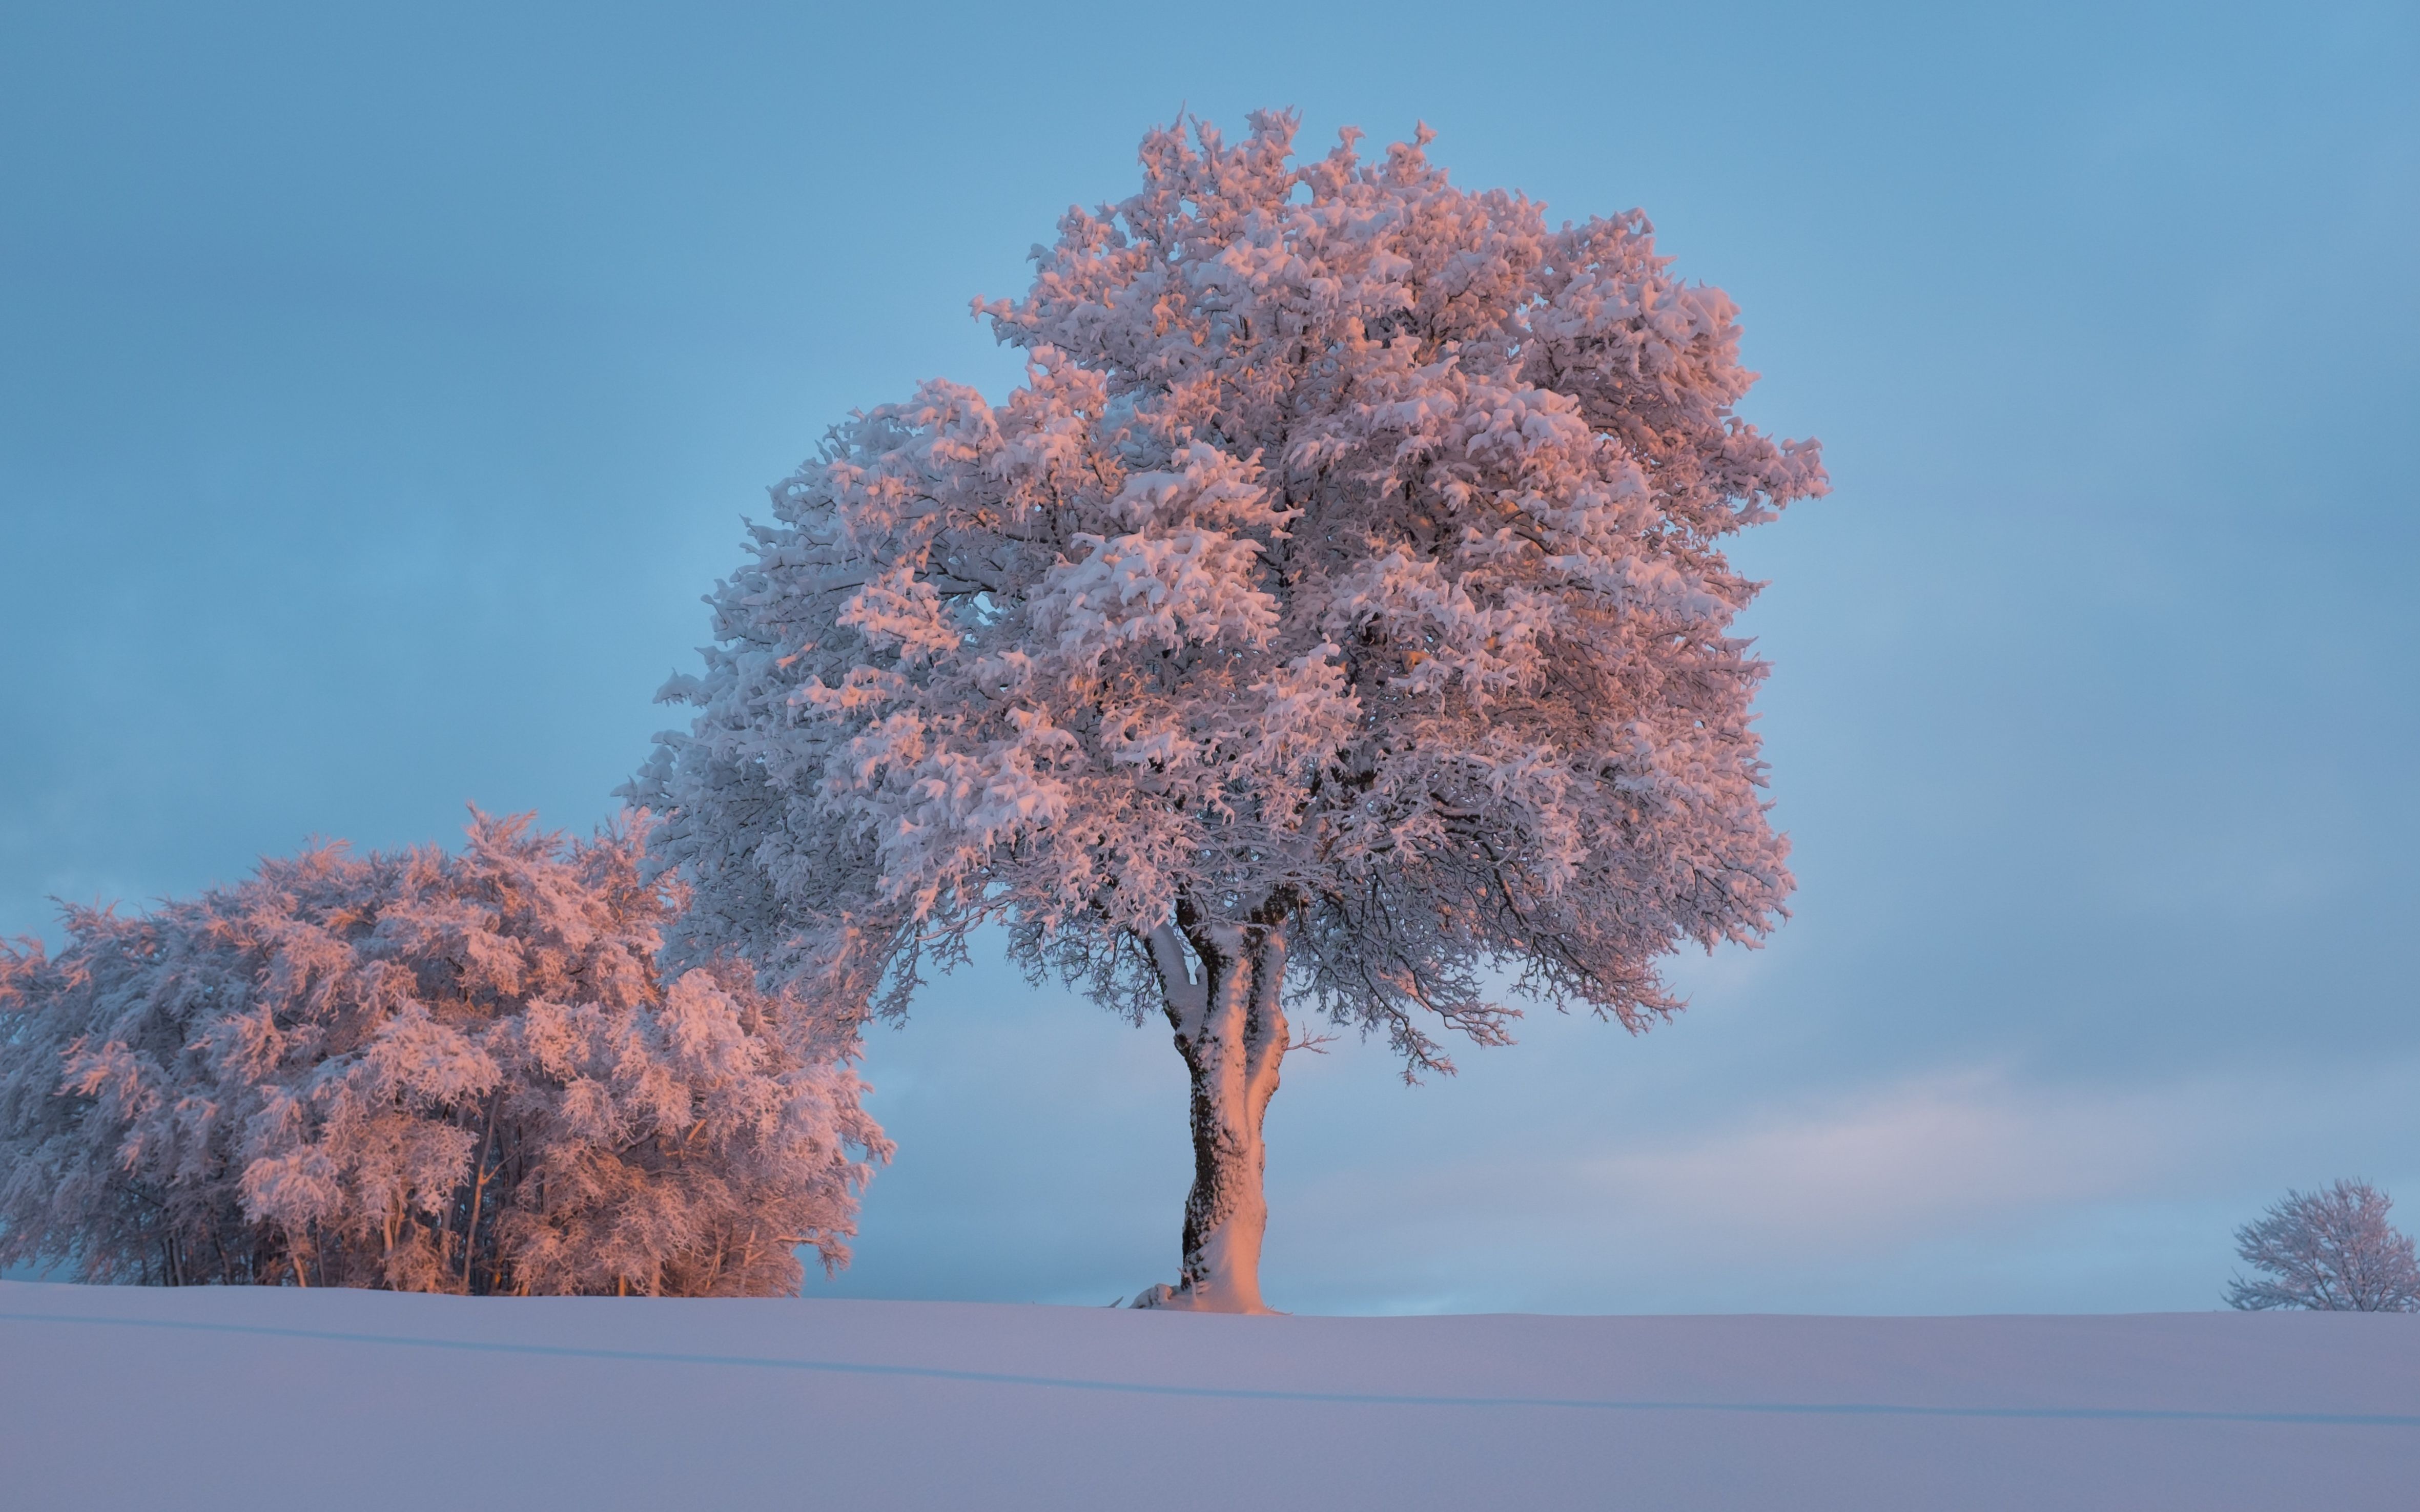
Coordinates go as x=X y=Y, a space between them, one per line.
x=1183 y=1299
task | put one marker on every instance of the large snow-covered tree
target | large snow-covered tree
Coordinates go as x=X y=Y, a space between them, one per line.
x=422 y=1070
x=1335 y=619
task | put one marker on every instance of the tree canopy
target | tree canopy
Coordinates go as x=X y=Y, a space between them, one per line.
x=1349 y=555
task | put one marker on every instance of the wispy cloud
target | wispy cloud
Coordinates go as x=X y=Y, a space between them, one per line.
x=1962 y=1189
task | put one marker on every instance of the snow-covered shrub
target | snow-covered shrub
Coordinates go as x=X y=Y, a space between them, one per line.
x=2331 y=1251
x=427 y=1072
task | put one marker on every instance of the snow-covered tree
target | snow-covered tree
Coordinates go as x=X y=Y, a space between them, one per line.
x=2331 y=1251
x=1335 y=619
x=422 y=1070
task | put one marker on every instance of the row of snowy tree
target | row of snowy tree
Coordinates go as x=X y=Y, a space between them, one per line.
x=1335 y=622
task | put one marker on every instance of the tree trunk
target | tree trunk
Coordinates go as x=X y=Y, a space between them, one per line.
x=1230 y=1029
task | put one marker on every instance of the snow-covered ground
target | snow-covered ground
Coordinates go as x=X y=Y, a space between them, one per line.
x=126 y=1397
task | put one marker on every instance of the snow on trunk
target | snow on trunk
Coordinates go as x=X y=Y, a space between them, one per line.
x=1230 y=1029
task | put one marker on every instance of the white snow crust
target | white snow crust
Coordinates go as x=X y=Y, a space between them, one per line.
x=259 y=1397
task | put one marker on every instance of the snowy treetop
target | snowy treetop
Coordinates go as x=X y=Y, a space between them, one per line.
x=1350 y=556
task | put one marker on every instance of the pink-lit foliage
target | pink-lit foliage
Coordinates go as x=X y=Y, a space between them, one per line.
x=1335 y=618
x=427 y=1071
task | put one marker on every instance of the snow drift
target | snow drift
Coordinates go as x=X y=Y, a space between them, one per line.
x=275 y=1397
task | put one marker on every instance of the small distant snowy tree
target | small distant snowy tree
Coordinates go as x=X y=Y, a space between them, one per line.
x=2330 y=1251
x=427 y=1071
x=1335 y=619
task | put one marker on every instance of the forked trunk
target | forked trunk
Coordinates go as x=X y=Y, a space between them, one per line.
x=1230 y=1029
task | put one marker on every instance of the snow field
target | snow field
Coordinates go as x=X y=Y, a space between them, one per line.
x=260 y=1398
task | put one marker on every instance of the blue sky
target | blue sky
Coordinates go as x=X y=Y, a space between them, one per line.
x=378 y=395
